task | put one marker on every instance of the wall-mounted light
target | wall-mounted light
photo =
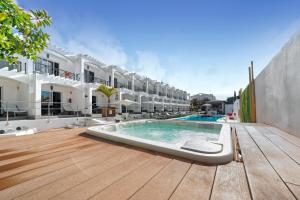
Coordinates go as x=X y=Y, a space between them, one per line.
x=18 y=87
x=51 y=87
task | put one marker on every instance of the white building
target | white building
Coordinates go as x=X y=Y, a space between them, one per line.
x=202 y=97
x=62 y=83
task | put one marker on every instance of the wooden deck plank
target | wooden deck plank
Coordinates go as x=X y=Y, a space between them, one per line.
x=116 y=157
x=105 y=170
x=22 y=188
x=291 y=138
x=95 y=184
x=128 y=185
x=42 y=153
x=34 y=149
x=40 y=158
x=28 y=175
x=230 y=183
x=196 y=184
x=295 y=189
x=37 y=139
x=264 y=182
x=289 y=148
x=287 y=168
x=163 y=184
x=74 y=154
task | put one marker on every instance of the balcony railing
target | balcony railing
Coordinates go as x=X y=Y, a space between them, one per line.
x=17 y=66
x=43 y=69
x=92 y=79
x=161 y=94
x=151 y=92
x=138 y=89
x=122 y=85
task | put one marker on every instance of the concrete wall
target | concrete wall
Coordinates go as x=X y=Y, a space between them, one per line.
x=278 y=89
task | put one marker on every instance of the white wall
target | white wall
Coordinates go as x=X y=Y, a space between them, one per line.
x=277 y=89
x=14 y=93
x=67 y=93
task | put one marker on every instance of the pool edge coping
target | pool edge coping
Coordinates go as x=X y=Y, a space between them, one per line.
x=225 y=156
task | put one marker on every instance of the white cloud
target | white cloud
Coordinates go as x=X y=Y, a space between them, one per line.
x=93 y=42
x=149 y=64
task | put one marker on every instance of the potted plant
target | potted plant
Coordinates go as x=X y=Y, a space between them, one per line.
x=108 y=92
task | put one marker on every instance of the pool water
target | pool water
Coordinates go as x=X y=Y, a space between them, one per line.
x=202 y=118
x=170 y=132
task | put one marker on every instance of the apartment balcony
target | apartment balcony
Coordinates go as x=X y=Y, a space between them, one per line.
x=151 y=92
x=161 y=94
x=122 y=85
x=139 y=89
x=97 y=80
x=41 y=69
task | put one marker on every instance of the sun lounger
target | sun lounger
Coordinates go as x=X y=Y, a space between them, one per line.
x=68 y=109
x=14 y=109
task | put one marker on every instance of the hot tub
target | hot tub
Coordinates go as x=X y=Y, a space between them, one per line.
x=204 y=142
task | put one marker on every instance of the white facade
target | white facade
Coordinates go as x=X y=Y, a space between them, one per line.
x=202 y=97
x=62 y=83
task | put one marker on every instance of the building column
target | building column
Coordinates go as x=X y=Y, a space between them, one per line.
x=120 y=105
x=112 y=78
x=88 y=93
x=147 y=85
x=82 y=61
x=140 y=103
x=34 y=97
x=132 y=82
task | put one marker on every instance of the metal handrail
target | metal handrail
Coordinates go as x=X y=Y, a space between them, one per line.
x=44 y=69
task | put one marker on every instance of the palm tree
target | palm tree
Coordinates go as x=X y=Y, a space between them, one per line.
x=108 y=92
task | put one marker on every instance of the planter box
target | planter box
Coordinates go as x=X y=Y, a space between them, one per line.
x=108 y=112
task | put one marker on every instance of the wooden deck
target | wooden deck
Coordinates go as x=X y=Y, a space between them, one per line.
x=68 y=164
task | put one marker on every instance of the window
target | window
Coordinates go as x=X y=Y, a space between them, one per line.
x=45 y=96
x=45 y=66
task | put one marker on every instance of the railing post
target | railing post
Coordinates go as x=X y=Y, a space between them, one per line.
x=48 y=111
x=77 y=113
x=6 y=115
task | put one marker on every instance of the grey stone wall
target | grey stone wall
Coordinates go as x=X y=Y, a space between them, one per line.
x=278 y=89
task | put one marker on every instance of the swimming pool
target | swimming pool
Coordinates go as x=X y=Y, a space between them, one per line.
x=170 y=132
x=214 y=118
x=204 y=142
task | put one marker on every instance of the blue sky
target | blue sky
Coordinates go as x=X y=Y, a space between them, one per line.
x=198 y=46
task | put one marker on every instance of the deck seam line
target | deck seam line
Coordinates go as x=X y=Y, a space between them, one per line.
x=54 y=180
x=213 y=183
x=272 y=165
x=44 y=140
x=180 y=181
x=279 y=147
x=38 y=157
x=46 y=154
x=131 y=171
x=292 y=183
x=92 y=178
x=36 y=151
x=29 y=148
x=278 y=134
x=151 y=178
x=68 y=154
x=245 y=170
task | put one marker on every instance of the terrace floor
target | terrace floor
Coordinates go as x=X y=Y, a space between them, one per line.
x=68 y=164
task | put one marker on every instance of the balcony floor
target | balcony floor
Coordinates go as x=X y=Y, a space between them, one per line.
x=68 y=164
